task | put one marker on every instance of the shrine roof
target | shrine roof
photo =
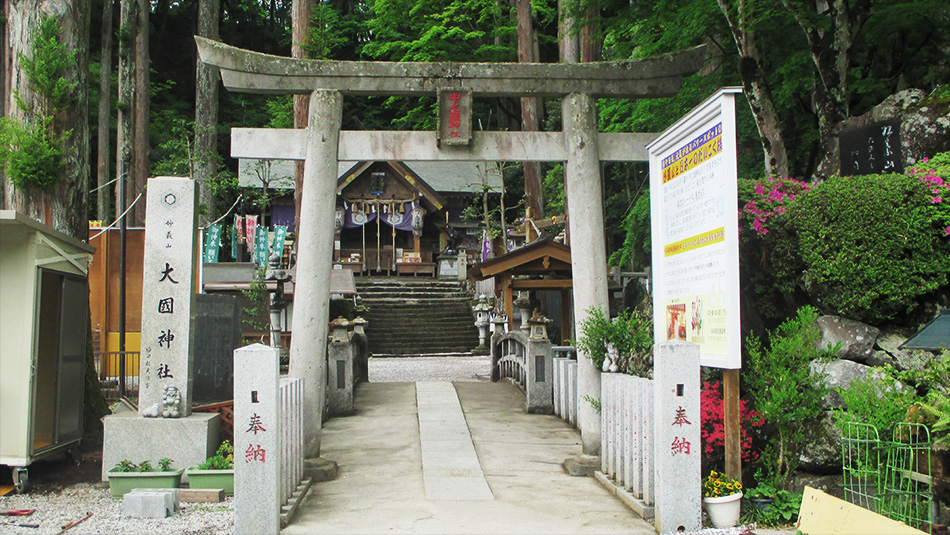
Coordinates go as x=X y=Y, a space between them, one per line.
x=540 y=257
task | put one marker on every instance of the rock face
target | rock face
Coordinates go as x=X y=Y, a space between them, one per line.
x=839 y=374
x=856 y=339
x=823 y=454
x=903 y=359
x=924 y=128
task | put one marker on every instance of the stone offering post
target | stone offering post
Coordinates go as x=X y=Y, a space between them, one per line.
x=256 y=459
x=677 y=446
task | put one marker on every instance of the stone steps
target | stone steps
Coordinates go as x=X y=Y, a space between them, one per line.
x=421 y=316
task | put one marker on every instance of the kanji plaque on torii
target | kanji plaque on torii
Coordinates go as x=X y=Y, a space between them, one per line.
x=455 y=116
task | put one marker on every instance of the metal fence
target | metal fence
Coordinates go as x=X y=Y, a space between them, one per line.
x=890 y=477
x=109 y=370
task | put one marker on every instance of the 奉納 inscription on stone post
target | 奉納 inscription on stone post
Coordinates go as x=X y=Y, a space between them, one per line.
x=677 y=443
x=168 y=298
x=256 y=456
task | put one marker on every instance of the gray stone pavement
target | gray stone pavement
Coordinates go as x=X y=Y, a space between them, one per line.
x=381 y=487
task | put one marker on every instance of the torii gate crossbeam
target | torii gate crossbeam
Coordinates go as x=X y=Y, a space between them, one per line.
x=322 y=144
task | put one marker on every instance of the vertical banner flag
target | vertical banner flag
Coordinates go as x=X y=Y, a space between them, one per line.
x=695 y=230
x=250 y=225
x=212 y=243
x=280 y=234
x=261 y=252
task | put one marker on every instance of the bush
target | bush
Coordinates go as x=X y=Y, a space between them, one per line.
x=630 y=333
x=879 y=400
x=784 y=392
x=871 y=246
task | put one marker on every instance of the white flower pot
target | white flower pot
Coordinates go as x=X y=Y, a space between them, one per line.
x=724 y=510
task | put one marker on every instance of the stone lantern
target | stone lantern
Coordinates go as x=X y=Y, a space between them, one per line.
x=482 y=310
x=523 y=303
x=499 y=324
x=277 y=301
x=338 y=329
x=538 y=327
x=358 y=324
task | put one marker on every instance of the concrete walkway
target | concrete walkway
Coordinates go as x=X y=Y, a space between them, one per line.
x=394 y=479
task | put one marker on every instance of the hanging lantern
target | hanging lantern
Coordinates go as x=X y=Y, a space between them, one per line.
x=418 y=217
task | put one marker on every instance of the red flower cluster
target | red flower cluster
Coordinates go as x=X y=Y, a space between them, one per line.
x=773 y=196
x=711 y=422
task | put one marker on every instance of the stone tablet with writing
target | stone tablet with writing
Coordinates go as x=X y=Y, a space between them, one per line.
x=677 y=444
x=168 y=298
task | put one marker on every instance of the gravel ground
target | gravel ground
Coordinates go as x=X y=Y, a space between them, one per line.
x=56 y=508
x=403 y=369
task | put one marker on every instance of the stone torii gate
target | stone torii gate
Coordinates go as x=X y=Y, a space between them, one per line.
x=323 y=144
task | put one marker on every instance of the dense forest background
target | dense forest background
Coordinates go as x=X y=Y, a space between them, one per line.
x=805 y=66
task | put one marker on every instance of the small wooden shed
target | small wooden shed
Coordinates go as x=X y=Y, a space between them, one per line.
x=44 y=318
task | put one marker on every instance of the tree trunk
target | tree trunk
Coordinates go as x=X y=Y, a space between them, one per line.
x=530 y=117
x=64 y=206
x=300 y=26
x=105 y=103
x=126 y=101
x=830 y=47
x=756 y=88
x=142 y=96
x=206 y=113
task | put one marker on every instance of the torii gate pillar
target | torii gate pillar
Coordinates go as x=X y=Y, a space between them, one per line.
x=589 y=256
x=308 y=345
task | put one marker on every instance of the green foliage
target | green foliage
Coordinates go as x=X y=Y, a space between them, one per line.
x=256 y=313
x=784 y=392
x=33 y=151
x=878 y=399
x=595 y=403
x=782 y=512
x=630 y=333
x=871 y=246
x=636 y=250
x=34 y=157
x=47 y=68
x=125 y=465
x=223 y=459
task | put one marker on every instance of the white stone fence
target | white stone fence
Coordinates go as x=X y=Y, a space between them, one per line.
x=626 y=417
x=268 y=442
x=565 y=383
x=290 y=423
x=527 y=363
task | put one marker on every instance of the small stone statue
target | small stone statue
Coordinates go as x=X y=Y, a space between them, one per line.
x=611 y=359
x=171 y=402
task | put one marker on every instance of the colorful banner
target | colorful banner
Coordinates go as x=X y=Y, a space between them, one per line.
x=280 y=235
x=261 y=249
x=250 y=226
x=212 y=243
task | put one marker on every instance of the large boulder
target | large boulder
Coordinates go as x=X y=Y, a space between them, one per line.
x=838 y=374
x=904 y=359
x=924 y=128
x=856 y=339
x=829 y=484
x=823 y=453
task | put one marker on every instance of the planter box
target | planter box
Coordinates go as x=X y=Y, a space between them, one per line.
x=212 y=479
x=122 y=482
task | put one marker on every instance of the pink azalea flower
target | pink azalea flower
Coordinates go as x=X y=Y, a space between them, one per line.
x=758 y=227
x=935 y=200
x=926 y=159
x=946 y=231
x=759 y=189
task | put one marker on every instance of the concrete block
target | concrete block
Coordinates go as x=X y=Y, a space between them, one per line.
x=582 y=465
x=150 y=503
x=187 y=441
x=320 y=469
x=201 y=495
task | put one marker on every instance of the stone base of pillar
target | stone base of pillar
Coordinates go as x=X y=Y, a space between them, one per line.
x=320 y=469
x=582 y=465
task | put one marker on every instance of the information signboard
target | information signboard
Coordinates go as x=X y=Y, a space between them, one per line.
x=695 y=231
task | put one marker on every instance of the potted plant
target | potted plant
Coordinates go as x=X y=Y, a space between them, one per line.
x=721 y=497
x=127 y=475
x=215 y=473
